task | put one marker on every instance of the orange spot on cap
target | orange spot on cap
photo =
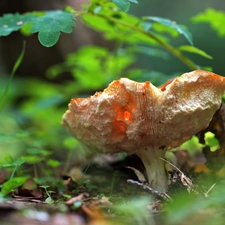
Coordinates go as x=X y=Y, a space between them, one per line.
x=126 y=115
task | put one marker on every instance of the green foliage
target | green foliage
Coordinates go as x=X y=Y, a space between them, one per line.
x=35 y=155
x=125 y=28
x=48 y=24
x=214 y=18
x=192 y=145
x=211 y=141
x=12 y=184
x=173 y=26
x=94 y=62
x=9 y=163
x=53 y=163
x=134 y=211
x=189 y=208
x=49 y=199
x=118 y=26
x=124 y=4
x=105 y=17
x=13 y=22
x=13 y=167
x=192 y=49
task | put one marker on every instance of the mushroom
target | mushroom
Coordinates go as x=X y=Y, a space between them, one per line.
x=139 y=118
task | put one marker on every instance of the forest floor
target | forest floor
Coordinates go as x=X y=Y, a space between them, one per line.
x=105 y=197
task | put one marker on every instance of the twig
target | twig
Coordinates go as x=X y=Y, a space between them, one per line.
x=188 y=182
x=184 y=179
x=155 y=192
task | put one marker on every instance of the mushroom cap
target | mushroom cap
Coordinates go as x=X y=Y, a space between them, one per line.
x=128 y=115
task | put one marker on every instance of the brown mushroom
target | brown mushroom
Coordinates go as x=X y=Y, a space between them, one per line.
x=141 y=119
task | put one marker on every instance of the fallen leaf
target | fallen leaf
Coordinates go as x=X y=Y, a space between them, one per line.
x=139 y=174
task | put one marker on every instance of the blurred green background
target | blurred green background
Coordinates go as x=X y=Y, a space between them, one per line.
x=203 y=36
x=39 y=58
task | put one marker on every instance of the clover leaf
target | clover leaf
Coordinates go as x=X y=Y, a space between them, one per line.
x=51 y=24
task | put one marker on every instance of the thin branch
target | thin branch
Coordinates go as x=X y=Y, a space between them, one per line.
x=152 y=36
x=154 y=192
x=184 y=179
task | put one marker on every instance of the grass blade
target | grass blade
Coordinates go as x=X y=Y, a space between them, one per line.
x=15 y=67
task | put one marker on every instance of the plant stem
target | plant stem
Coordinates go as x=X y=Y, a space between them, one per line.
x=154 y=37
x=15 y=67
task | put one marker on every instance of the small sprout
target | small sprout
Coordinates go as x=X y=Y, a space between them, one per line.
x=49 y=199
x=139 y=118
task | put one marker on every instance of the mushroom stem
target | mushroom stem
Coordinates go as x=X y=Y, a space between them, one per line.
x=157 y=174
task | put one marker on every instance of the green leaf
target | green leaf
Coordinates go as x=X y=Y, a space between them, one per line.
x=53 y=163
x=192 y=49
x=49 y=200
x=213 y=17
x=172 y=24
x=103 y=66
x=118 y=26
x=148 y=51
x=48 y=39
x=32 y=159
x=159 y=28
x=13 y=22
x=211 y=141
x=18 y=162
x=67 y=196
x=70 y=143
x=13 y=183
x=45 y=153
x=50 y=25
x=193 y=145
x=122 y=4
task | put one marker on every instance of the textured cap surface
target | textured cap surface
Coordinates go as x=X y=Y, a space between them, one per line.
x=128 y=115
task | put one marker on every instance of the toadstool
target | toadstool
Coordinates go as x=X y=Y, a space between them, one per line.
x=139 y=118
